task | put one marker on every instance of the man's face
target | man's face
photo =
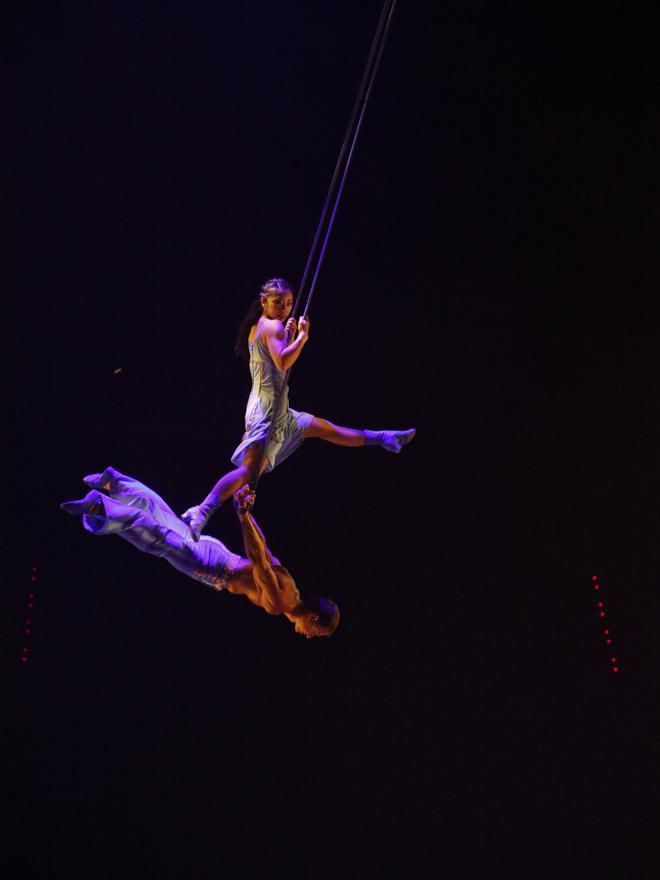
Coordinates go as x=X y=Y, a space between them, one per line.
x=309 y=626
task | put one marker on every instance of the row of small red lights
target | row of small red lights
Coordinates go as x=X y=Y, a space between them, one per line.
x=27 y=627
x=607 y=634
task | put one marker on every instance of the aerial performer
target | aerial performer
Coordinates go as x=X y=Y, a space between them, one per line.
x=273 y=342
x=121 y=505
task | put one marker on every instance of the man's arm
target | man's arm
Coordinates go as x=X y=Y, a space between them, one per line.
x=253 y=540
x=258 y=554
x=271 y=558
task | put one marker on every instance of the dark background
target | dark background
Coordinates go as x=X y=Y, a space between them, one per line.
x=492 y=280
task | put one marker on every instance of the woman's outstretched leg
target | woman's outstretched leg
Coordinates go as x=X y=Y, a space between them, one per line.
x=198 y=516
x=392 y=441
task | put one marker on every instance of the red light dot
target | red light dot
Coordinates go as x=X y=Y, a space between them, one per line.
x=28 y=622
x=606 y=632
x=594 y=577
x=33 y=579
x=599 y=604
x=27 y=632
x=608 y=641
x=24 y=659
x=596 y=587
x=602 y=613
x=30 y=605
x=615 y=669
x=25 y=650
x=30 y=595
x=613 y=659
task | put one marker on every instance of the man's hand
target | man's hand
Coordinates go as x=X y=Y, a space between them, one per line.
x=244 y=500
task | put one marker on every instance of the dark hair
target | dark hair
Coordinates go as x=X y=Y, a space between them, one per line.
x=327 y=611
x=273 y=285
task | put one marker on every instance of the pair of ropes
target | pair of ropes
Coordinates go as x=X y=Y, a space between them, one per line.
x=335 y=190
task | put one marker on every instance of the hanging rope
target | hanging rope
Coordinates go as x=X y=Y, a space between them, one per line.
x=344 y=161
x=335 y=191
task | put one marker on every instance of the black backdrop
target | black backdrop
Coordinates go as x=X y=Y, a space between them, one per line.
x=491 y=280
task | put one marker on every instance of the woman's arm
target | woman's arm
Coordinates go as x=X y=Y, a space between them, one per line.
x=285 y=356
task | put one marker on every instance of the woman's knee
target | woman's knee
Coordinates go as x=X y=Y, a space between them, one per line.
x=318 y=428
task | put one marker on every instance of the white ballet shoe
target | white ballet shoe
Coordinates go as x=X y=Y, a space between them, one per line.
x=196 y=519
x=392 y=441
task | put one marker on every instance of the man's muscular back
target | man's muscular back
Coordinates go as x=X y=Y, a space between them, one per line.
x=247 y=582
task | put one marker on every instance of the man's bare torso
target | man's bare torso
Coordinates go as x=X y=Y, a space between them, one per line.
x=242 y=583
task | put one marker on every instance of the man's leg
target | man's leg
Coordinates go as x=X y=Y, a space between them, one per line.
x=133 y=493
x=108 y=516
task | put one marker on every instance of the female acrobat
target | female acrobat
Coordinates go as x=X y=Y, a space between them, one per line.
x=273 y=430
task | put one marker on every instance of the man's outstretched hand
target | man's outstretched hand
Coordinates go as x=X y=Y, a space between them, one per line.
x=244 y=500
